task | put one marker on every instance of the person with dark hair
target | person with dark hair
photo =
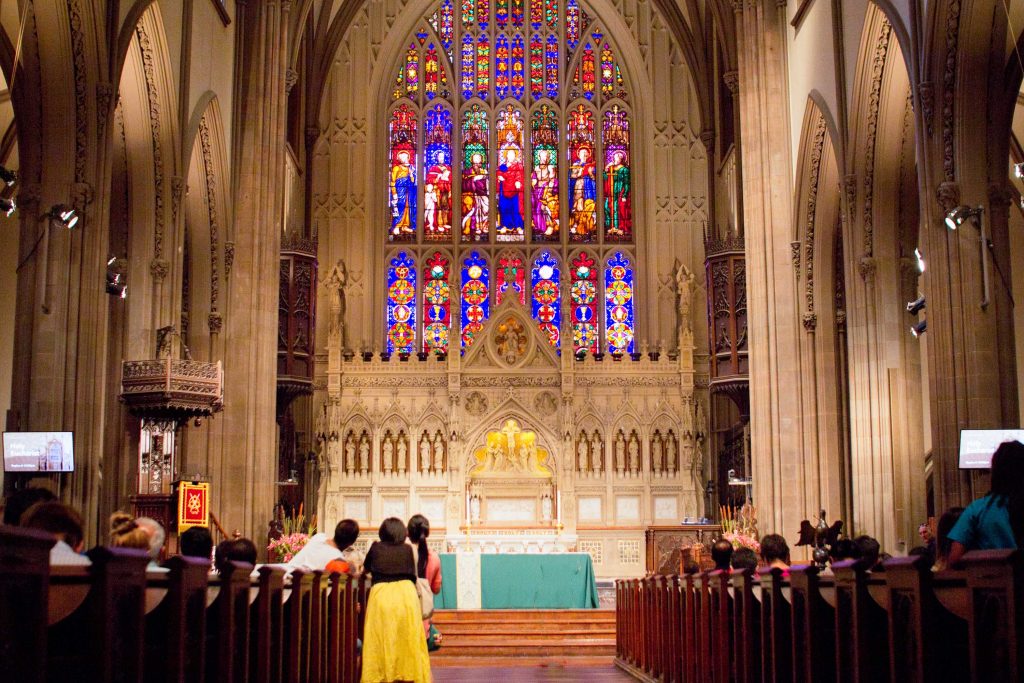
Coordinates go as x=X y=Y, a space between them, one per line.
x=943 y=544
x=63 y=522
x=744 y=558
x=351 y=561
x=844 y=549
x=21 y=500
x=394 y=648
x=870 y=550
x=775 y=551
x=196 y=541
x=320 y=551
x=691 y=567
x=721 y=554
x=428 y=564
x=997 y=519
x=234 y=550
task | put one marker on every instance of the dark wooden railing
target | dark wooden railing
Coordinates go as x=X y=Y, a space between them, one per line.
x=905 y=623
x=117 y=621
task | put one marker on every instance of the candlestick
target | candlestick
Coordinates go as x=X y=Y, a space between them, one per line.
x=468 y=513
x=559 y=499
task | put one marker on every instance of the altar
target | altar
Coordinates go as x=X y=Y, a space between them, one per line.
x=517 y=581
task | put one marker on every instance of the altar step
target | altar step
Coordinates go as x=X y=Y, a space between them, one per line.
x=568 y=637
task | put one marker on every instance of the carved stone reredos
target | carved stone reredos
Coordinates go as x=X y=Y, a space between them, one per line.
x=510 y=339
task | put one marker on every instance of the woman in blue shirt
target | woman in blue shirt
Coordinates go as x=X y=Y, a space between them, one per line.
x=997 y=520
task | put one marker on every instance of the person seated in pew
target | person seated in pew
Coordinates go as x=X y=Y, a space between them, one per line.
x=21 y=500
x=721 y=554
x=870 y=551
x=744 y=558
x=996 y=520
x=943 y=544
x=234 y=550
x=775 y=551
x=126 y=533
x=321 y=550
x=196 y=541
x=65 y=523
x=155 y=531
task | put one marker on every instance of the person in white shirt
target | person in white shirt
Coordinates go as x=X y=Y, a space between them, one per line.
x=63 y=522
x=320 y=550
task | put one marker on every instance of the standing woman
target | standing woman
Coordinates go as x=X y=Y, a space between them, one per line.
x=394 y=648
x=428 y=564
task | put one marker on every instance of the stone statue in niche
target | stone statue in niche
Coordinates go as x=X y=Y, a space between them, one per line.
x=389 y=454
x=700 y=422
x=581 y=456
x=400 y=461
x=545 y=507
x=438 y=453
x=670 y=454
x=620 y=454
x=350 y=456
x=684 y=294
x=424 y=454
x=364 y=456
x=634 y=456
x=336 y=282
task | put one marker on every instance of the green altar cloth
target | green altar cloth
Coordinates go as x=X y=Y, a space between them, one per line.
x=508 y=581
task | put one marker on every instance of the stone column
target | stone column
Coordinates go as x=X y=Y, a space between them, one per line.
x=245 y=478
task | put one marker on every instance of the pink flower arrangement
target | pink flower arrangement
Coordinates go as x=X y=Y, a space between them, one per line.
x=284 y=548
x=739 y=540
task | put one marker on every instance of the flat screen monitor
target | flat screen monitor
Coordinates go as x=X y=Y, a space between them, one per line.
x=978 y=445
x=39 y=452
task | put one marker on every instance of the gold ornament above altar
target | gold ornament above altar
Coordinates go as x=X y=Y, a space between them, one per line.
x=511 y=452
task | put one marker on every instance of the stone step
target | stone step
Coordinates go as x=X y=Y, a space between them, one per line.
x=524 y=616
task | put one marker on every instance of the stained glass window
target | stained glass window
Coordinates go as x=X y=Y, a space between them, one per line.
x=582 y=176
x=510 y=177
x=484 y=96
x=437 y=180
x=401 y=311
x=437 y=314
x=618 y=303
x=583 y=297
x=475 y=297
x=402 y=174
x=618 y=216
x=475 y=181
x=547 y=297
x=544 y=177
x=510 y=279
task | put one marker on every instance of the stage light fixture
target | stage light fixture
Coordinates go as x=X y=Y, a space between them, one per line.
x=919 y=328
x=920 y=260
x=8 y=176
x=957 y=217
x=7 y=206
x=917 y=305
x=1018 y=170
x=63 y=214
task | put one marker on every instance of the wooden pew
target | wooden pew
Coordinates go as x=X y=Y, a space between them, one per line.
x=720 y=609
x=24 y=602
x=746 y=626
x=674 y=631
x=813 y=626
x=691 y=636
x=227 y=621
x=266 y=631
x=175 y=629
x=995 y=583
x=776 y=633
x=296 y=627
x=861 y=625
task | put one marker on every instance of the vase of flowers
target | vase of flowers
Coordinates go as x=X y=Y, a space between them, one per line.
x=739 y=527
x=293 y=536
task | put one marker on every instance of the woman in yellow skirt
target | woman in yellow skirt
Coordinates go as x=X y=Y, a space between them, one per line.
x=394 y=648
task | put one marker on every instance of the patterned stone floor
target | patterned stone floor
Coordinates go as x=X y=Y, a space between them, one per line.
x=604 y=674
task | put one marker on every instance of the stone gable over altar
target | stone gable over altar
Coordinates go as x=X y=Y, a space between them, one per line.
x=623 y=442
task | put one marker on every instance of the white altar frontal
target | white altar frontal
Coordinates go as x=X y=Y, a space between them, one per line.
x=510 y=447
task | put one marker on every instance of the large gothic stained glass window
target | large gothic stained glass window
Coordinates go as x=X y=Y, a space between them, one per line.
x=509 y=162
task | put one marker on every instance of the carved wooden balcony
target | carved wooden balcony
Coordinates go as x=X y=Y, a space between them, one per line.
x=169 y=392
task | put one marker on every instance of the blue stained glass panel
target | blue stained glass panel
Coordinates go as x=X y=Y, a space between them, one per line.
x=475 y=297
x=618 y=304
x=547 y=297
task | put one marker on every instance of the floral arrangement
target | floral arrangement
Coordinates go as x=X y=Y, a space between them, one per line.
x=739 y=526
x=293 y=536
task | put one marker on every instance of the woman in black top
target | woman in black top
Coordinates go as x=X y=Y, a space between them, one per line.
x=394 y=648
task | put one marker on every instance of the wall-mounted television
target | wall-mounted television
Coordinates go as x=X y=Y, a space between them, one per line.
x=39 y=452
x=978 y=445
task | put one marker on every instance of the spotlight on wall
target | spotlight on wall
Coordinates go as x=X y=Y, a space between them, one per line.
x=919 y=328
x=8 y=176
x=1018 y=170
x=919 y=257
x=7 y=206
x=915 y=306
x=957 y=217
x=117 y=280
x=63 y=214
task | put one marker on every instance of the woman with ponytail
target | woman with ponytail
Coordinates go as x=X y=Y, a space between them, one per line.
x=428 y=564
x=997 y=520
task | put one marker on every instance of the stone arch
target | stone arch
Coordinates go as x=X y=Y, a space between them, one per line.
x=514 y=409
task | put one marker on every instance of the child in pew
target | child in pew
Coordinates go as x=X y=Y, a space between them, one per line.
x=63 y=522
x=320 y=552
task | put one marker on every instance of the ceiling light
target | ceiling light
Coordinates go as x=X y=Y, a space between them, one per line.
x=7 y=206
x=956 y=217
x=919 y=328
x=916 y=305
x=8 y=176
